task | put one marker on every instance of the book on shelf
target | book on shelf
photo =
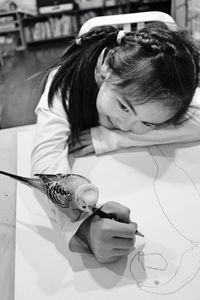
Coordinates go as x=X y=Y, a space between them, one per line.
x=54 y=27
x=7 y=23
x=90 y=4
x=51 y=6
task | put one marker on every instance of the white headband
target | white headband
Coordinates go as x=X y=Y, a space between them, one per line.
x=120 y=36
x=78 y=41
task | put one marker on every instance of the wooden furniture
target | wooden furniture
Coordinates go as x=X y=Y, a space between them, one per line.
x=151 y=5
x=11 y=31
x=50 y=26
x=65 y=24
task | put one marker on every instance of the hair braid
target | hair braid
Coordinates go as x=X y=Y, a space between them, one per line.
x=150 y=43
x=105 y=34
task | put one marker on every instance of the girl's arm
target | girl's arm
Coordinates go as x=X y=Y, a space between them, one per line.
x=105 y=140
x=103 y=237
x=50 y=155
x=50 y=150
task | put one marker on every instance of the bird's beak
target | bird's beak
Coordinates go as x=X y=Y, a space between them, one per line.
x=87 y=195
x=90 y=209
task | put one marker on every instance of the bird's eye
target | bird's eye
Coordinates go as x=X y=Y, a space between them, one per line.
x=123 y=107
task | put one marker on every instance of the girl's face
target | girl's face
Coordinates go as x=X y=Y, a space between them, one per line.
x=116 y=112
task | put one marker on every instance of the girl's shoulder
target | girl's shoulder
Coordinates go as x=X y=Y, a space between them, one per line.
x=43 y=102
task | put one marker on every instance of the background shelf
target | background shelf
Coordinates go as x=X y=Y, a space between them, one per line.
x=62 y=24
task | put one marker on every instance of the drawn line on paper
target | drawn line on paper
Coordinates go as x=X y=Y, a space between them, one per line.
x=164 y=288
x=174 y=161
x=154 y=268
x=177 y=281
x=157 y=196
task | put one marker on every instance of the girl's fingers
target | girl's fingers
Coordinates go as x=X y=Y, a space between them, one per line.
x=83 y=137
x=118 y=210
x=123 y=230
x=74 y=148
x=85 y=151
x=77 y=146
x=84 y=141
x=119 y=243
x=120 y=252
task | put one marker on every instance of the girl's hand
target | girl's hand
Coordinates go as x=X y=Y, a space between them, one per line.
x=82 y=147
x=109 y=240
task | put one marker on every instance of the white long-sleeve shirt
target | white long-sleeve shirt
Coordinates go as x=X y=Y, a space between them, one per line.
x=50 y=151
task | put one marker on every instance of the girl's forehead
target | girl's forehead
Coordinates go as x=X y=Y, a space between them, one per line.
x=134 y=95
x=129 y=90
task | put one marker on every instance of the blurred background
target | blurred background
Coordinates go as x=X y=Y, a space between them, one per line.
x=34 y=32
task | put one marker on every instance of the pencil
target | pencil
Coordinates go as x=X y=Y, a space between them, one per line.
x=103 y=214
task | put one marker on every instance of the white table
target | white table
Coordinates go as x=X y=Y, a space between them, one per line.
x=8 y=162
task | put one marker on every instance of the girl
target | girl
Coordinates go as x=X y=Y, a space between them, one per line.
x=109 y=90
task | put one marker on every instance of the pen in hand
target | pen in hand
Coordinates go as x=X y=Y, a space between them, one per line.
x=103 y=214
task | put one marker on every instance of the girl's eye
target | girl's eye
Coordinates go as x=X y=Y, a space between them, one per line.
x=123 y=107
x=148 y=124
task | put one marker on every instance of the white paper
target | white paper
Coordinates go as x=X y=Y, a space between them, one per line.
x=161 y=186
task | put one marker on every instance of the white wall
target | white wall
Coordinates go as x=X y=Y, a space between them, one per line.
x=178 y=12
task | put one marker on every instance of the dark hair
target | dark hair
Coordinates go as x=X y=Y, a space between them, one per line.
x=75 y=80
x=152 y=63
x=157 y=63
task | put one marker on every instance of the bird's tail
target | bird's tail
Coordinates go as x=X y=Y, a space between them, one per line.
x=32 y=182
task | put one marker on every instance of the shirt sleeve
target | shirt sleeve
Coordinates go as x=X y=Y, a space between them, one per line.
x=105 y=140
x=50 y=149
x=50 y=156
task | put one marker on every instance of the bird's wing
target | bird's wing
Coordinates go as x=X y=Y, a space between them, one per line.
x=58 y=193
x=50 y=177
x=56 y=177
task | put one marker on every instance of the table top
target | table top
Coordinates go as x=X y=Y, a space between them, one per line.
x=163 y=196
x=8 y=162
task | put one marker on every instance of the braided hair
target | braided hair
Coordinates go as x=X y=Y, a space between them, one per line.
x=154 y=63
x=157 y=64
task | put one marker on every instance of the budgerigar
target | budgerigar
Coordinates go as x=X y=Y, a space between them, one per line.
x=64 y=190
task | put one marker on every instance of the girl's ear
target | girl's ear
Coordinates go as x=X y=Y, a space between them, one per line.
x=102 y=70
x=105 y=70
